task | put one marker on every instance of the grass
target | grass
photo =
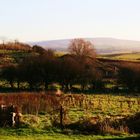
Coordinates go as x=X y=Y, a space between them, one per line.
x=64 y=137
x=13 y=56
x=60 y=53
x=39 y=114
x=75 y=104
x=123 y=56
x=36 y=134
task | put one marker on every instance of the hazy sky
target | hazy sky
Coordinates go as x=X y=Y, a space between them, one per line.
x=34 y=20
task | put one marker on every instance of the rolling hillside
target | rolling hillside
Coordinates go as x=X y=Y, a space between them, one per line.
x=102 y=45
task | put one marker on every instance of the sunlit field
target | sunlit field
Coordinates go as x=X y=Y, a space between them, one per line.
x=124 y=56
x=41 y=115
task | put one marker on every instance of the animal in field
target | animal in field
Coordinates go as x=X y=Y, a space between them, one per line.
x=9 y=115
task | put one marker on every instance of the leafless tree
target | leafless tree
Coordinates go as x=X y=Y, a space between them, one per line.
x=82 y=48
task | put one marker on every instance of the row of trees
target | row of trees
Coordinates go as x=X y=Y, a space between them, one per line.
x=79 y=67
x=129 y=77
x=45 y=68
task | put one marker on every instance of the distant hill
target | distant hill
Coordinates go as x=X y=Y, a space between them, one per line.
x=102 y=45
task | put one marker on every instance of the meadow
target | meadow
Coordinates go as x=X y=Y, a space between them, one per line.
x=41 y=115
x=123 y=56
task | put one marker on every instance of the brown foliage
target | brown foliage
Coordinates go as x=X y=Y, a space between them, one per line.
x=15 y=46
x=129 y=75
x=82 y=48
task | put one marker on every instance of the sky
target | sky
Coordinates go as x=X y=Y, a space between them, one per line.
x=37 y=20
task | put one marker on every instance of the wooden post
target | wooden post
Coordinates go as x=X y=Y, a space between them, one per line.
x=61 y=117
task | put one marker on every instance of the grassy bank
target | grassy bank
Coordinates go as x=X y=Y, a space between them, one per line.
x=37 y=134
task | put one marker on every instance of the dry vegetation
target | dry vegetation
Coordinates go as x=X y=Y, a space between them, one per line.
x=97 y=113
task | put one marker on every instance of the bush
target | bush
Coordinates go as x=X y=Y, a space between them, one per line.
x=133 y=123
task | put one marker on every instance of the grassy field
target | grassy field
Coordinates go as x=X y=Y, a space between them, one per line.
x=32 y=134
x=125 y=56
x=41 y=114
x=13 y=56
x=103 y=104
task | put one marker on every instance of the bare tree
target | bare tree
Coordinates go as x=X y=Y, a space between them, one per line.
x=83 y=52
x=82 y=48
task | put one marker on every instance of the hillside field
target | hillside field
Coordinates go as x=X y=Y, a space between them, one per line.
x=123 y=56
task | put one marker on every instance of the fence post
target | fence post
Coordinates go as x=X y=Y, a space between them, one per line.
x=61 y=117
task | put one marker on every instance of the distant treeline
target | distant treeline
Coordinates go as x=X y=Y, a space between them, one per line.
x=15 y=46
x=46 y=68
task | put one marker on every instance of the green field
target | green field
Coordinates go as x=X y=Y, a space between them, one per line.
x=8 y=57
x=41 y=115
x=32 y=134
x=123 y=56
